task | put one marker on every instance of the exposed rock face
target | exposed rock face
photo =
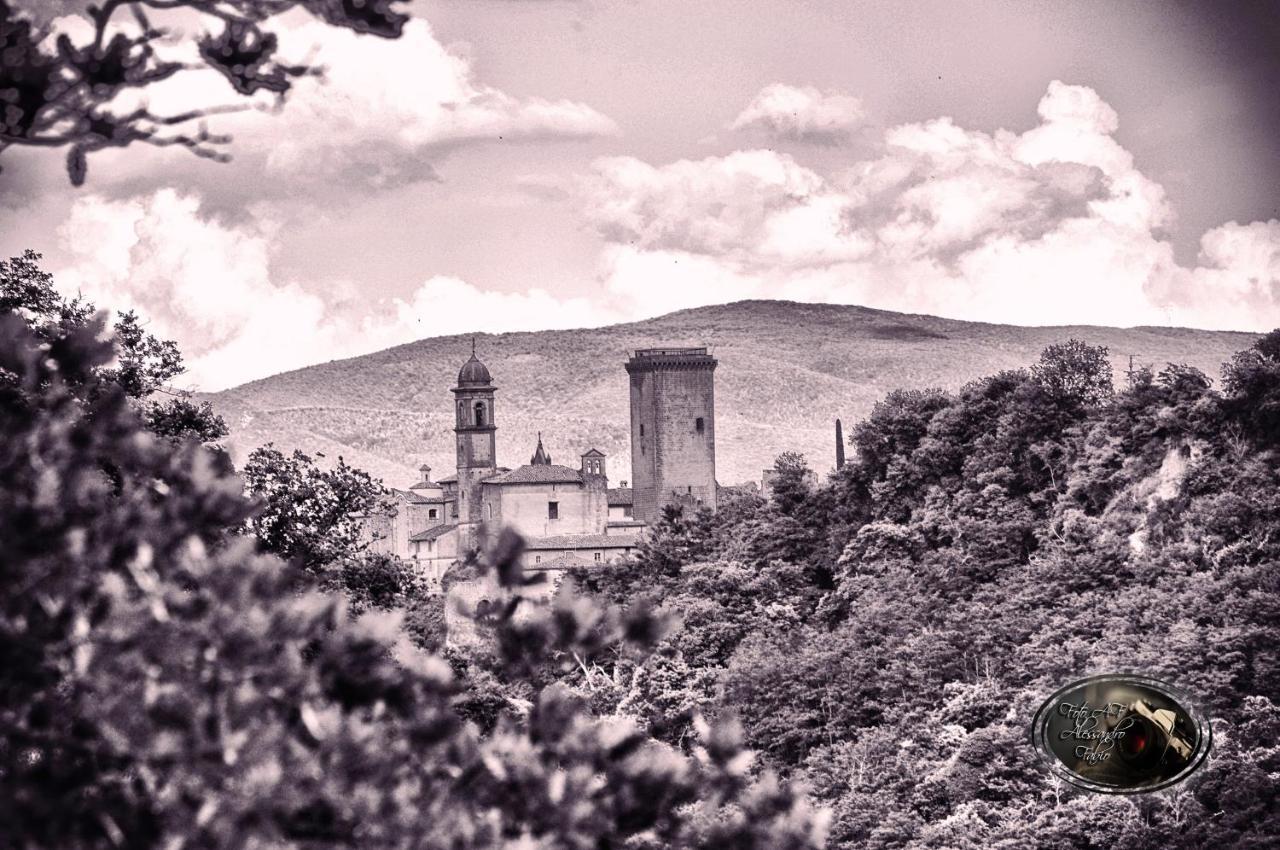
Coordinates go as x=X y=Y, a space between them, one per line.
x=1161 y=486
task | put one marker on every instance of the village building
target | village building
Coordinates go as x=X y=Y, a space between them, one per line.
x=569 y=516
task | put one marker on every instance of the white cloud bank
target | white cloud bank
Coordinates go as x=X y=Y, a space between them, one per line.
x=383 y=112
x=1052 y=226
x=207 y=284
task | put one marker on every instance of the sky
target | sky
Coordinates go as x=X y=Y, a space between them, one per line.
x=531 y=164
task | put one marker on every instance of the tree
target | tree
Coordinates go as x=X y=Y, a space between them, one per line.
x=1074 y=373
x=163 y=685
x=1252 y=384
x=307 y=514
x=143 y=364
x=57 y=91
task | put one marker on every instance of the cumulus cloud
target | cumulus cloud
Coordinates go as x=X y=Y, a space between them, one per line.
x=207 y=284
x=383 y=113
x=1052 y=226
x=801 y=113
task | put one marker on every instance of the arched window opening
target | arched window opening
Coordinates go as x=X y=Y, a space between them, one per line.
x=480 y=414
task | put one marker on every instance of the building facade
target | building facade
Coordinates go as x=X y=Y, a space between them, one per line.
x=568 y=515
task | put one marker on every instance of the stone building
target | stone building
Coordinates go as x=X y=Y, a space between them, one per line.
x=568 y=515
x=673 y=429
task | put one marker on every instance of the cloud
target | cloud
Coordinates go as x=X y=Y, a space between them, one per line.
x=207 y=284
x=1052 y=226
x=801 y=113
x=384 y=113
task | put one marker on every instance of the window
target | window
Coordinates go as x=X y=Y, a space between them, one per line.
x=627 y=511
x=699 y=425
x=431 y=514
x=597 y=556
x=553 y=510
x=479 y=414
x=537 y=559
x=641 y=429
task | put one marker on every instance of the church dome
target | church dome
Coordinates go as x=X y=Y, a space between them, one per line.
x=474 y=372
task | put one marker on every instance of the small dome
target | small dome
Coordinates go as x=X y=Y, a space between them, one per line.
x=474 y=372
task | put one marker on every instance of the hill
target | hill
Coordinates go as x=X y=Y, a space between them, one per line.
x=787 y=370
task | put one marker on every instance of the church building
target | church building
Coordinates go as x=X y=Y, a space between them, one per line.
x=568 y=515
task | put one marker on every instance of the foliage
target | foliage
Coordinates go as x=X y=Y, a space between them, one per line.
x=142 y=365
x=161 y=685
x=1252 y=384
x=984 y=547
x=59 y=91
x=307 y=514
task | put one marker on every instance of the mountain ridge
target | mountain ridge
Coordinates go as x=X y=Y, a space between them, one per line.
x=787 y=370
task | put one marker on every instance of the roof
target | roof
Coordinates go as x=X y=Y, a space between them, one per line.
x=621 y=496
x=625 y=523
x=540 y=455
x=474 y=373
x=561 y=562
x=448 y=479
x=432 y=533
x=593 y=453
x=411 y=498
x=537 y=474
x=582 y=541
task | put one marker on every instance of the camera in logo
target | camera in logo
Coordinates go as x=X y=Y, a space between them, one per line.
x=1121 y=734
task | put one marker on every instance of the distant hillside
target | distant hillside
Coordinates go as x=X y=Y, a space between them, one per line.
x=786 y=371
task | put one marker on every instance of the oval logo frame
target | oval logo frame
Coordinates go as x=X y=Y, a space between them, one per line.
x=1121 y=734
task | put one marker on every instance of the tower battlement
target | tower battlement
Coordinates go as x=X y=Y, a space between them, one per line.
x=649 y=359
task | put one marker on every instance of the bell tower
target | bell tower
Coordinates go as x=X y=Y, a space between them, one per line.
x=476 y=436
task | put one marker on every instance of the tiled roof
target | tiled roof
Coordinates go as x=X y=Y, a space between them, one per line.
x=538 y=474
x=621 y=496
x=406 y=496
x=582 y=541
x=562 y=562
x=432 y=533
x=448 y=479
x=625 y=523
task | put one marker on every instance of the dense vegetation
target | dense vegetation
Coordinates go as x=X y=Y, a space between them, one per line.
x=887 y=636
x=185 y=666
x=166 y=682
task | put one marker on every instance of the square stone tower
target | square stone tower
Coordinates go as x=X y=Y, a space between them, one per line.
x=673 y=429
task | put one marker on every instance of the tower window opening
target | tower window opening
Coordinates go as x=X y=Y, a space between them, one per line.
x=479 y=414
x=553 y=510
x=699 y=425
x=642 y=429
x=597 y=554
